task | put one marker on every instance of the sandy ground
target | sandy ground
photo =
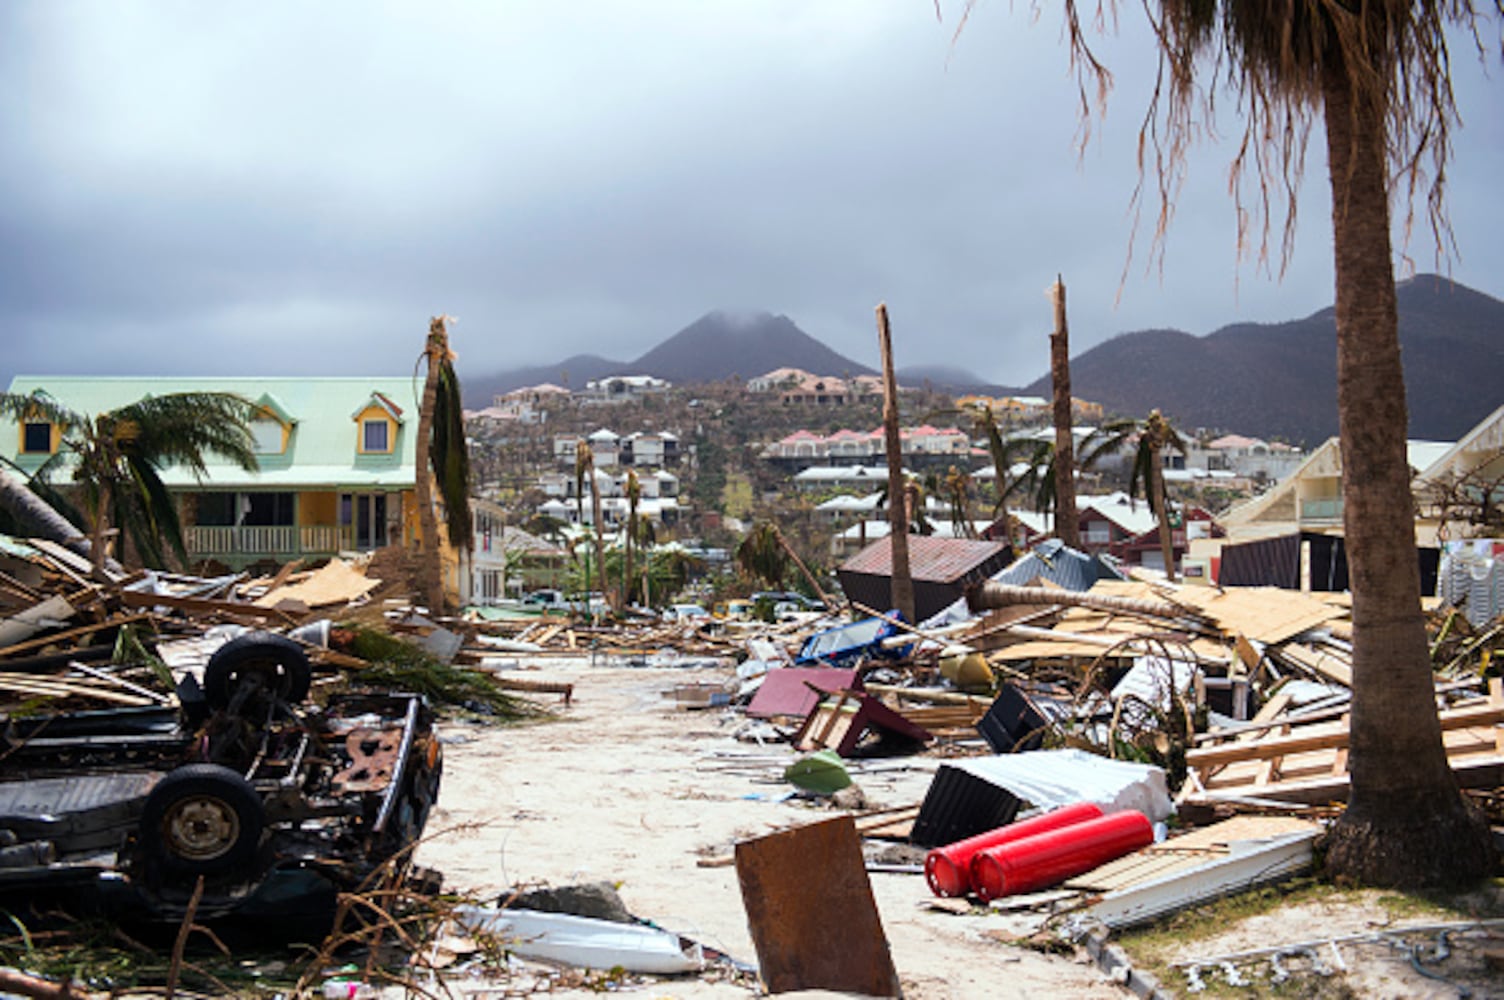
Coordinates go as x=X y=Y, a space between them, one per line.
x=631 y=789
x=634 y=790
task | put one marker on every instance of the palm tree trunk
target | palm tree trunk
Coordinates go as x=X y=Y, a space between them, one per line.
x=431 y=572
x=37 y=517
x=1406 y=823
x=1166 y=540
x=902 y=585
x=600 y=544
x=99 y=550
x=1067 y=521
x=626 y=573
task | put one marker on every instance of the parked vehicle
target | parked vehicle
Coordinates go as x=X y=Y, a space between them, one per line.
x=788 y=597
x=686 y=612
x=546 y=600
x=276 y=805
x=738 y=609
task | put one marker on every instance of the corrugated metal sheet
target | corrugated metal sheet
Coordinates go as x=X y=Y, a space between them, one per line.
x=941 y=569
x=940 y=560
x=1051 y=560
x=960 y=805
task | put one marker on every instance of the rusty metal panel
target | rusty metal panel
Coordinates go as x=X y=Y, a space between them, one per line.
x=939 y=560
x=811 y=912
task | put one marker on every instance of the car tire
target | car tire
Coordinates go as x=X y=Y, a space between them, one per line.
x=273 y=663
x=202 y=819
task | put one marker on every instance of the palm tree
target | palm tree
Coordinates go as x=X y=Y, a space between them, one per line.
x=902 y=588
x=441 y=451
x=1377 y=73
x=634 y=495
x=1152 y=436
x=118 y=456
x=761 y=555
x=584 y=468
x=1067 y=525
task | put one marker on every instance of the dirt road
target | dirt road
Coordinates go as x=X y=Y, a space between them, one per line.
x=631 y=789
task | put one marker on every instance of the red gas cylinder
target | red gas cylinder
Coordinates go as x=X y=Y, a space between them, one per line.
x=948 y=869
x=1053 y=856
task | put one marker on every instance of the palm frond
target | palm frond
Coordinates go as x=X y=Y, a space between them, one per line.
x=37 y=405
x=181 y=428
x=450 y=459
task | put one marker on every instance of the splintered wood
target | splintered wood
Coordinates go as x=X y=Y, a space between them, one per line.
x=1307 y=761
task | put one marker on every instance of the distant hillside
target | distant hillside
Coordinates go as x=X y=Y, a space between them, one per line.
x=719 y=345
x=576 y=371
x=1281 y=379
x=944 y=379
x=714 y=347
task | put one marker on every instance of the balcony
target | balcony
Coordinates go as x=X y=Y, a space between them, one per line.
x=249 y=542
x=1321 y=510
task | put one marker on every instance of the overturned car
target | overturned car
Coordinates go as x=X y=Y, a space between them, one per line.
x=275 y=804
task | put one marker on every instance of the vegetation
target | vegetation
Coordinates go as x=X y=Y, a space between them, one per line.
x=441 y=449
x=117 y=458
x=402 y=666
x=1376 y=73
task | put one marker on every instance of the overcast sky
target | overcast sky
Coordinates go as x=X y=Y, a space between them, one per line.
x=286 y=187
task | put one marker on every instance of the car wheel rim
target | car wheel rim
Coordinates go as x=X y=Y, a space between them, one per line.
x=201 y=828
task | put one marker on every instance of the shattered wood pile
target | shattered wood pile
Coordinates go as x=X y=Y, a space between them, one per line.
x=1270 y=669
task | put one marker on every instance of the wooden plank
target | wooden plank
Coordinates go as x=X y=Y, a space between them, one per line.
x=72 y=633
x=1279 y=746
x=247 y=613
x=1318 y=662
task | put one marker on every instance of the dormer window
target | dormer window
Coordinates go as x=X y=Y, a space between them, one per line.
x=271 y=428
x=375 y=435
x=267 y=435
x=379 y=420
x=36 y=438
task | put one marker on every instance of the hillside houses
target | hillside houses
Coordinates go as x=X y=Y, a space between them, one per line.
x=609 y=449
x=794 y=386
x=922 y=446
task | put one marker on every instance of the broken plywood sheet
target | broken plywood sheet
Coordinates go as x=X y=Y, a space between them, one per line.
x=1227 y=857
x=1189 y=850
x=1263 y=614
x=337 y=582
x=51 y=613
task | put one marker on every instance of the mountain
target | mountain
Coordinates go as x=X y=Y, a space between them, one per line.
x=1280 y=379
x=946 y=379
x=576 y=371
x=1270 y=380
x=717 y=346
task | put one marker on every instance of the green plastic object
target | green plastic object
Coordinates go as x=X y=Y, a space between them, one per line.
x=821 y=772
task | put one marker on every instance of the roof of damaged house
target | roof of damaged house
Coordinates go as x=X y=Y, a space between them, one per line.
x=319 y=413
x=942 y=560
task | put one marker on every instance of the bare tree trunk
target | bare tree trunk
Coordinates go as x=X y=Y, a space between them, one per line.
x=37 y=517
x=600 y=544
x=803 y=569
x=1067 y=521
x=431 y=572
x=898 y=515
x=1406 y=823
x=1157 y=486
x=99 y=550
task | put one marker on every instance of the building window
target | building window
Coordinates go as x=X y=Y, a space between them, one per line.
x=267 y=437
x=374 y=435
x=37 y=438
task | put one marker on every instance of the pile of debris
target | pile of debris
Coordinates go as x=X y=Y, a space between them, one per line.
x=183 y=748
